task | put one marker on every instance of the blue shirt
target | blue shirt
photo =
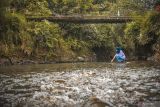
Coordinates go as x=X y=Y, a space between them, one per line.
x=120 y=56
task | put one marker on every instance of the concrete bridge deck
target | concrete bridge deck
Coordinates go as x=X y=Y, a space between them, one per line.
x=82 y=19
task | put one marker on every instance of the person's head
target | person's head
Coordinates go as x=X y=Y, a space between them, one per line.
x=117 y=51
x=118 y=48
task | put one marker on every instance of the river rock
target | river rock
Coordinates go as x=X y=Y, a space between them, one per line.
x=138 y=94
x=153 y=90
x=95 y=102
x=4 y=61
x=80 y=59
x=150 y=58
x=60 y=81
x=26 y=62
x=40 y=95
x=130 y=89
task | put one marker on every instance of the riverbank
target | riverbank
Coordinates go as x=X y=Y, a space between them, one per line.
x=24 y=61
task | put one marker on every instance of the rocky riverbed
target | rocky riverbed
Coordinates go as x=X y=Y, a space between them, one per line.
x=135 y=84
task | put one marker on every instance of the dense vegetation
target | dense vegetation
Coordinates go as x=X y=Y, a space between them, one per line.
x=46 y=41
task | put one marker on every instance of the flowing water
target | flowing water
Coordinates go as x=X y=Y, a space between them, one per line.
x=134 y=84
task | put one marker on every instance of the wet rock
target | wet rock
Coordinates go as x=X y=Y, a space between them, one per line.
x=60 y=81
x=109 y=91
x=123 y=83
x=151 y=59
x=143 y=88
x=138 y=94
x=48 y=87
x=96 y=102
x=149 y=104
x=43 y=87
x=130 y=89
x=81 y=59
x=5 y=61
x=58 y=92
x=40 y=95
x=26 y=62
x=153 y=90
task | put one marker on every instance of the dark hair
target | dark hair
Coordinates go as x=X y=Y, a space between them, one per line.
x=117 y=51
x=118 y=48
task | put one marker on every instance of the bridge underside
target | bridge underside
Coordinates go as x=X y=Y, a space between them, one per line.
x=73 y=19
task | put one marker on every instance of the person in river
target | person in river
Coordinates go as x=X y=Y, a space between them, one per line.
x=120 y=56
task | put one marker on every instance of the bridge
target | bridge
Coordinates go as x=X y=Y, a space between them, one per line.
x=82 y=19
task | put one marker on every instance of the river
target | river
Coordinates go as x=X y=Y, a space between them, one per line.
x=98 y=84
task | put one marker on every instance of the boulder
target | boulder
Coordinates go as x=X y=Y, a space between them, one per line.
x=81 y=59
x=5 y=61
x=96 y=102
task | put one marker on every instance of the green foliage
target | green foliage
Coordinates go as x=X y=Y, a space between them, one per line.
x=150 y=28
x=71 y=6
x=31 y=7
x=132 y=32
x=78 y=7
x=77 y=46
x=127 y=7
x=45 y=35
x=14 y=24
x=144 y=32
x=37 y=7
x=103 y=36
x=50 y=41
x=4 y=4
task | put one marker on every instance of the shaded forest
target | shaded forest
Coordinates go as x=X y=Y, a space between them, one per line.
x=23 y=41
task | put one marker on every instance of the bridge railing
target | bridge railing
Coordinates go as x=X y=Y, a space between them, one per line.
x=83 y=19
